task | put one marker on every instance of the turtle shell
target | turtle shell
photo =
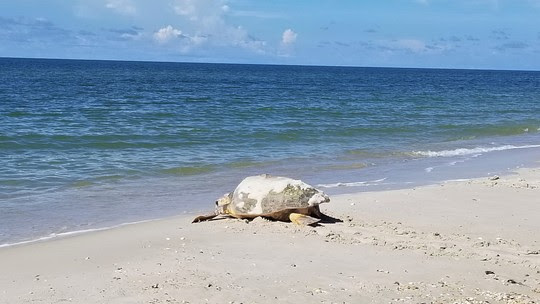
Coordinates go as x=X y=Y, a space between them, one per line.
x=266 y=194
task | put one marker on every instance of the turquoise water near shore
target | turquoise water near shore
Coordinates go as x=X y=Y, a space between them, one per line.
x=88 y=144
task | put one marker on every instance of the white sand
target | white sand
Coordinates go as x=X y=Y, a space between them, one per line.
x=460 y=242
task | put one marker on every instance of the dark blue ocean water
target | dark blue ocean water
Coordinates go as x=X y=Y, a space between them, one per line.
x=87 y=144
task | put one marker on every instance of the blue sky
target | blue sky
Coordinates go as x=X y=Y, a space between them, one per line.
x=492 y=34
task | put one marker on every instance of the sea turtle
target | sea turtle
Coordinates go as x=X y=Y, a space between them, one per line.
x=272 y=197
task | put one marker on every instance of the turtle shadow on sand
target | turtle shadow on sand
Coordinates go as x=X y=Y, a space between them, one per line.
x=273 y=198
x=323 y=219
x=327 y=219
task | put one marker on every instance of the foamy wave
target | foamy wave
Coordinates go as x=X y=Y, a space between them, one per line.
x=69 y=233
x=466 y=151
x=458 y=180
x=352 y=184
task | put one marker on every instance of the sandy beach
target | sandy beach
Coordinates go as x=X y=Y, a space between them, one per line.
x=473 y=241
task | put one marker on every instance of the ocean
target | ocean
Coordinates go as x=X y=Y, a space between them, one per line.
x=86 y=145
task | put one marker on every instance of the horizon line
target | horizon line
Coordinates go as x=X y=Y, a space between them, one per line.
x=274 y=64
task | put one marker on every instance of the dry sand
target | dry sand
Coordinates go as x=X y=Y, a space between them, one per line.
x=472 y=241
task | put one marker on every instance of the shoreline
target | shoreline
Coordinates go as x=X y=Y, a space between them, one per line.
x=132 y=197
x=460 y=241
x=336 y=189
x=57 y=236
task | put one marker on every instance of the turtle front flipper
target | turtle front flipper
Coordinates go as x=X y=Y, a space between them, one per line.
x=202 y=218
x=302 y=219
x=326 y=219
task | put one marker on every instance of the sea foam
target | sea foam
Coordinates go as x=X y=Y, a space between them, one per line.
x=70 y=233
x=351 y=184
x=469 y=151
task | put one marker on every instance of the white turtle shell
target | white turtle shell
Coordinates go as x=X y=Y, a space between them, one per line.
x=265 y=194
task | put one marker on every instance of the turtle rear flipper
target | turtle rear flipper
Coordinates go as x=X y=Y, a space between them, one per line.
x=202 y=218
x=302 y=219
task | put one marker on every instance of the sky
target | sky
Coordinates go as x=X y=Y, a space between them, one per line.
x=471 y=34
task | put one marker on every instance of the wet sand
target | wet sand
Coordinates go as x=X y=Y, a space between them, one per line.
x=475 y=241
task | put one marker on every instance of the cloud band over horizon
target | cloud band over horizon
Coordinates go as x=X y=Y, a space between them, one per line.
x=489 y=34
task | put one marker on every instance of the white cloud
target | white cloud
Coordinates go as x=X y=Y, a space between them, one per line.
x=166 y=34
x=201 y=10
x=185 y=8
x=207 y=25
x=125 y=7
x=288 y=37
x=198 y=40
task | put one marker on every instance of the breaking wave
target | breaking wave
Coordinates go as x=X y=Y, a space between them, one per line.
x=469 y=151
x=351 y=184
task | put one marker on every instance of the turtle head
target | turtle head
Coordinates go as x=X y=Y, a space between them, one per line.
x=222 y=207
x=222 y=204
